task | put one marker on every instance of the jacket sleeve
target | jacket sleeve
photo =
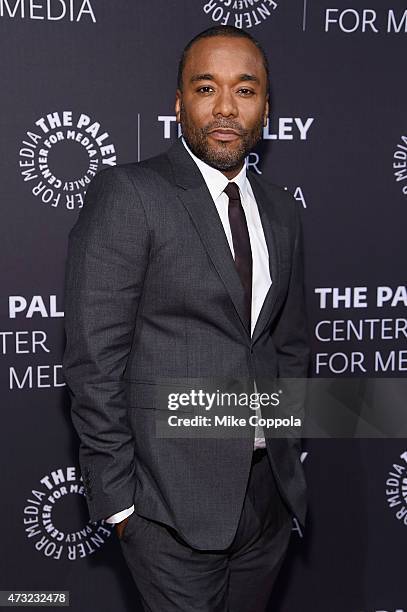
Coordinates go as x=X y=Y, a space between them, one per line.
x=108 y=254
x=290 y=335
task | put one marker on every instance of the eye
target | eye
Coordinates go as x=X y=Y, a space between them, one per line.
x=246 y=92
x=205 y=89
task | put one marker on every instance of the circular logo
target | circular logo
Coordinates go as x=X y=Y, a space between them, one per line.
x=396 y=489
x=400 y=164
x=61 y=154
x=239 y=13
x=54 y=520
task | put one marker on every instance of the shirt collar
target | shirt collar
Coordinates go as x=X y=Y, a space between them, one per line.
x=215 y=180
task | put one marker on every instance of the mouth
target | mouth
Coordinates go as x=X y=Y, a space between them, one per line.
x=224 y=134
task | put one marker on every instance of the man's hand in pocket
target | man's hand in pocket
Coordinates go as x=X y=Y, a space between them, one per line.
x=121 y=526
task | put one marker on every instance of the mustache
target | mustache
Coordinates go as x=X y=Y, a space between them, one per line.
x=224 y=125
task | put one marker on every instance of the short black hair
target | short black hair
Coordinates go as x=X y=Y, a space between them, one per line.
x=221 y=30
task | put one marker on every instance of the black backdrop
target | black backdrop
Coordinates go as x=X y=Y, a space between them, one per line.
x=90 y=83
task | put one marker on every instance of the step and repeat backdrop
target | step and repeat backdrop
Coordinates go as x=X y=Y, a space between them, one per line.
x=87 y=84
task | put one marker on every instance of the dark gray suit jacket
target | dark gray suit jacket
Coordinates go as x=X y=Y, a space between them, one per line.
x=152 y=294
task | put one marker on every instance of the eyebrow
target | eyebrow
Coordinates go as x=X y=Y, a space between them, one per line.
x=210 y=77
x=202 y=77
x=249 y=77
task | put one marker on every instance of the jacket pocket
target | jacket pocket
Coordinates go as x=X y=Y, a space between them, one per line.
x=155 y=396
x=174 y=394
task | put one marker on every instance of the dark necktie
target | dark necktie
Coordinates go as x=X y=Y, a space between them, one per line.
x=241 y=246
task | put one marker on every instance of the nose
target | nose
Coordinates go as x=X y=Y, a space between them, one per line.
x=225 y=104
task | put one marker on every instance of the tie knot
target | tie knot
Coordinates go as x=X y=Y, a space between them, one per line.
x=232 y=191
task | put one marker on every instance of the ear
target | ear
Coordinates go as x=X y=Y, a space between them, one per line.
x=178 y=104
x=266 y=111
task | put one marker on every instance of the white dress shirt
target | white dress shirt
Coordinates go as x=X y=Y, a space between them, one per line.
x=261 y=280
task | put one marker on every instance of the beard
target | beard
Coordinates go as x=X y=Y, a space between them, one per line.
x=222 y=157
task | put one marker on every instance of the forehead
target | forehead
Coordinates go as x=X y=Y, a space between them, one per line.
x=219 y=55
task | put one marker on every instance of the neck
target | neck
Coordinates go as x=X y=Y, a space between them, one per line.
x=230 y=174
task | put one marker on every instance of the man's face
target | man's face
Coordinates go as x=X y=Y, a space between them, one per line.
x=224 y=101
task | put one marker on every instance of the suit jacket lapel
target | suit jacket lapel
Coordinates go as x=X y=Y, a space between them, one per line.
x=196 y=198
x=273 y=246
x=206 y=219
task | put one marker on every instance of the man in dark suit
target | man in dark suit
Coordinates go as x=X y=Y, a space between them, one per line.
x=185 y=267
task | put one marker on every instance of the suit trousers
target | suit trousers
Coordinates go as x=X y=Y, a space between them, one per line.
x=172 y=576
